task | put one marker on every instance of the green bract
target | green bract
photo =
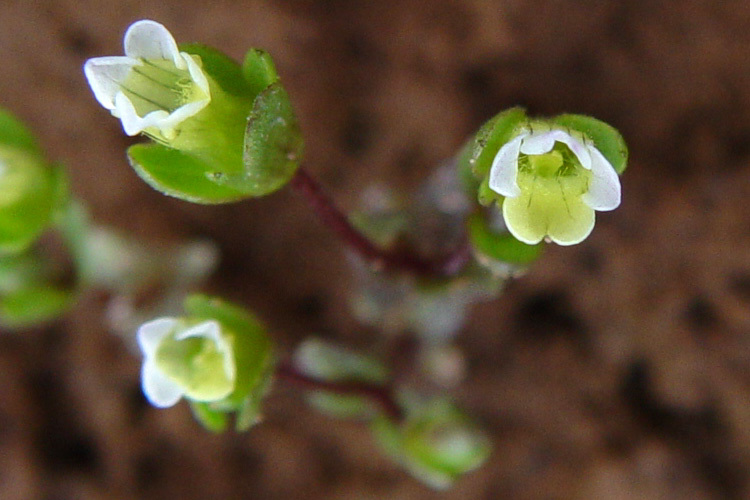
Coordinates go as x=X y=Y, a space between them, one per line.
x=549 y=176
x=31 y=190
x=437 y=443
x=218 y=357
x=222 y=131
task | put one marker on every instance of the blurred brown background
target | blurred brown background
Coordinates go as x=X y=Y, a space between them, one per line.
x=616 y=369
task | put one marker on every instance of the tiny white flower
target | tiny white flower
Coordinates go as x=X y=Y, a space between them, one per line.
x=195 y=361
x=154 y=87
x=553 y=180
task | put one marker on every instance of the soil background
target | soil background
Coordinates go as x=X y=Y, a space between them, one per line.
x=615 y=369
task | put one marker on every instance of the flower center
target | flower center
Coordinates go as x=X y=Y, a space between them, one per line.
x=196 y=365
x=553 y=174
x=157 y=84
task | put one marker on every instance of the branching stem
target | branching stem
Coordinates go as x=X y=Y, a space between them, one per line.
x=387 y=259
x=382 y=395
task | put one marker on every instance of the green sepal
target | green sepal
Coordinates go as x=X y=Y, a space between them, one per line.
x=486 y=196
x=258 y=70
x=13 y=133
x=491 y=137
x=212 y=420
x=469 y=183
x=273 y=145
x=606 y=138
x=252 y=347
x=180 y=175
x=33 y=304
x=500 y=246
x=223 y=69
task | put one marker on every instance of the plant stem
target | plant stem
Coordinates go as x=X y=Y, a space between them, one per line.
x=380 y=258
x=382 y=395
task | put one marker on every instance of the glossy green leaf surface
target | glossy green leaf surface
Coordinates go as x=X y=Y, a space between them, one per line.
x=183 y=176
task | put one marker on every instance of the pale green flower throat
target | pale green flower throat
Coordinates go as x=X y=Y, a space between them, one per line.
x=159 y=85
x=196 y=364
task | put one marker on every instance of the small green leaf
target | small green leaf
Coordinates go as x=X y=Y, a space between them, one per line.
x=259 y=70
x=223 y=69
x=606 y=138
x=13 y=133
x=503 y=247
x=178 y=174
x=212 y=420
x=273 y=145
x=32 y=305
x=491 y=137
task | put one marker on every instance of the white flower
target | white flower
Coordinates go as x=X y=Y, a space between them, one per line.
x=553 y=180
x=195 y=361
x=154 y=87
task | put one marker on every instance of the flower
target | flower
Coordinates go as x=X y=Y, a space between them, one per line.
x=154 y=87
x=553 y=179
x=195 y=361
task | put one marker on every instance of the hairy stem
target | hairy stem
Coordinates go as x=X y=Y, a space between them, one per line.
x=380 y=258
x=382 y=395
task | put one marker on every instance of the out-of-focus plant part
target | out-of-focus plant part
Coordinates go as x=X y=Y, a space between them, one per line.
x=217 y=356
x=222 y=132
x=436 y=442
x=34 y=288
x=550 y=176
x=327 y=362
x=32 y=191
x=433 y=220
x=142 y=280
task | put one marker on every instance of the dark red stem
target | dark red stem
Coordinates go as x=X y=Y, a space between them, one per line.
x=382 y=395
x=378 y=257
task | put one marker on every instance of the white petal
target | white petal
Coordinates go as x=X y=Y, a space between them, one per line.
x=211 y=330
x=150 y=40
x=196 y=72
x=604 y=190
x=504 y=170
x=578 y=149
x=160 y=390
x=539 y=143
x=105 y=74
x=151 y=334
x=131 y=122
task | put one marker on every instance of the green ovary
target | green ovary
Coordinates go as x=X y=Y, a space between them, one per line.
x=550 y=202
x=159 y=85
x=197 y=366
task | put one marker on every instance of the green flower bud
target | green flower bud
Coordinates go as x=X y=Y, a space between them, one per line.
x=437 y=443
x=31 y=190
x=218 y=357
x=222 y=132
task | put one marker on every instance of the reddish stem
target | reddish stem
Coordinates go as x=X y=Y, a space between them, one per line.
x=382 y=395
x=380 y=258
